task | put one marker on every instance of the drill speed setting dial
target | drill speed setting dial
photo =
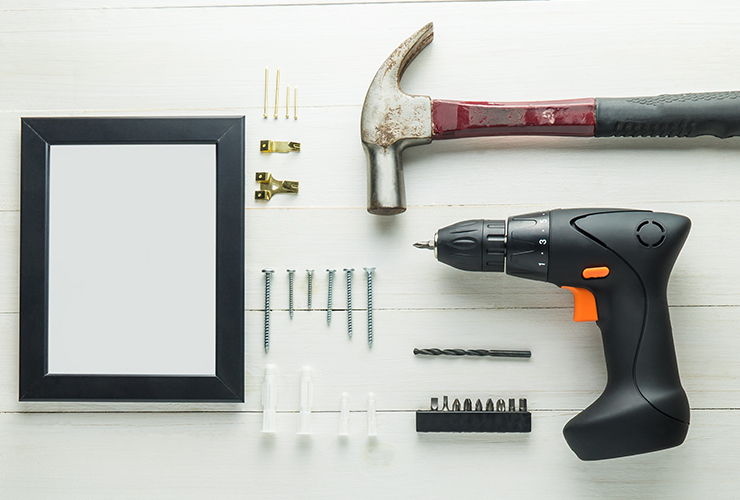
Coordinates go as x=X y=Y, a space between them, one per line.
x=528 y=246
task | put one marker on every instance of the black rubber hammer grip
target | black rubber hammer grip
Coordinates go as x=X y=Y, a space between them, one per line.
x=670 y=115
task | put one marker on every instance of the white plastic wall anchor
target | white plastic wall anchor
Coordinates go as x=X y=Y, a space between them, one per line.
x=344 y=415
x=372 y=427
x=269 y=399
x=306 y=401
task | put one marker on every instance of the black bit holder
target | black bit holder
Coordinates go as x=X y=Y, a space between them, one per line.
x=468 y=420
x=473 y=421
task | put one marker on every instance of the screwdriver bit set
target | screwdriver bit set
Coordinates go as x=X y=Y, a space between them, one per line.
x=466 y=419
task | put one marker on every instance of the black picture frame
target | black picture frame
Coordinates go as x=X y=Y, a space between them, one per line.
x=37 y=135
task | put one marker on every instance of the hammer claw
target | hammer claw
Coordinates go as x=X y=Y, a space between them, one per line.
x=392 y=121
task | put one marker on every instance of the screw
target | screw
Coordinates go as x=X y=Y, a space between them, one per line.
x=331 y=286
x=268 y=275
x=369 y=272
x=349 y=271
x=291 y=273
x=310 y=288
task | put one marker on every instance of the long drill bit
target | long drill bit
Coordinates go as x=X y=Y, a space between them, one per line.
x=473 y=352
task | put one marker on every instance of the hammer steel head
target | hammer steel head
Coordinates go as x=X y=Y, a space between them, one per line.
x=392 y=121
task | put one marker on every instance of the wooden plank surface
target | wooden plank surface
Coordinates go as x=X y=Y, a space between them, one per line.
x=45 y=5
x=194 y=456
x=409 y=278
x=183 y=57
x=566 y=370
x=170 y=59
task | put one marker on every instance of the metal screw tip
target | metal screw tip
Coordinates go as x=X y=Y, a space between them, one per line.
x=428 y=245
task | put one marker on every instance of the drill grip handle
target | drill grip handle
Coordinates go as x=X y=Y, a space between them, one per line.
x=670 y=115
x=643 y=407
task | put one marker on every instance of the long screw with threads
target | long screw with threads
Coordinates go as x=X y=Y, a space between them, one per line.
x=268 y=275
x=369 y=272
x=329 y=296
x=349 y=271
x=291 y=274
x=310 y=288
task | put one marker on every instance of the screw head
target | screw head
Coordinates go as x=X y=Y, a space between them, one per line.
x=291 y=270
x=268 y=270
x=349 y=269
x=369 y=270
x=331 y=270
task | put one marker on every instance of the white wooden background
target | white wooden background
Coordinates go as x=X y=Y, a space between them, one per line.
x=188 y=57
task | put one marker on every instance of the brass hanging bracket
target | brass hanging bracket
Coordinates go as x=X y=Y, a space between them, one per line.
x=279 y=146
x=270 y=186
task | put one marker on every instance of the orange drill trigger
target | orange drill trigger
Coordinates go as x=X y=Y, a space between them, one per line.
x=584 y=304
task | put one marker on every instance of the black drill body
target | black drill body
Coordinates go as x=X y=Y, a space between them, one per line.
x=643 y=407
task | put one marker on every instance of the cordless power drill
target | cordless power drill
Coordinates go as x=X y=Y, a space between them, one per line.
x=617 y=264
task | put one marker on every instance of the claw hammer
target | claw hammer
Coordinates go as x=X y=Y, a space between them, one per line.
x=393 y=120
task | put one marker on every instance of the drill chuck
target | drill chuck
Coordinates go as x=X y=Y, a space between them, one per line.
x=519 y=246
x=473 y=245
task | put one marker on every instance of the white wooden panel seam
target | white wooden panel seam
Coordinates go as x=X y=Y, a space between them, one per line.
x=286 y=412
x=222 y=4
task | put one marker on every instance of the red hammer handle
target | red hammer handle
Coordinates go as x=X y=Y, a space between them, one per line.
x=573 y=117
